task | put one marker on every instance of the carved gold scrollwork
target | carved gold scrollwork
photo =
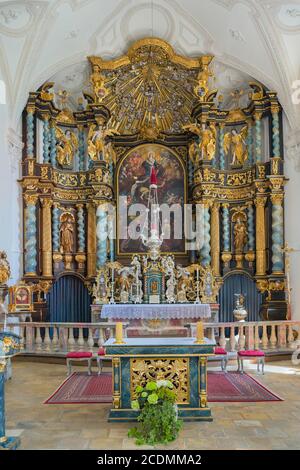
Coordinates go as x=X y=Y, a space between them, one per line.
x=174 y=369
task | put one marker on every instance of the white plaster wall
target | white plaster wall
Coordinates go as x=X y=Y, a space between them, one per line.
x=10 y=198
x=292 y=213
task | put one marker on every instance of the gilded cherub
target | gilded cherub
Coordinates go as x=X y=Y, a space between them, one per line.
x=98 y=149
x=207 y=140
x=67 y=145
x=236 y=142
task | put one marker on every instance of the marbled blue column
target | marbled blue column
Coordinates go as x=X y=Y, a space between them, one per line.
x=81 y=148
x=250 y=143
x=30 y=236
x=46 y=140
x=275 y=133
x=30 y=132
x=226 y=228
x=205 y=257
x=251 y=240
x=111 y=234
x=52 y=146
x=55 y=228
x=258 y=139
x=81 y=229
x=221 y=148
x=277 y=233
x=101 y=231
x=190 y=172
x=2 y=404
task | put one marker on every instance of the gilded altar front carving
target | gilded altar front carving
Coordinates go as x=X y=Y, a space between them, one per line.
x=174 y=369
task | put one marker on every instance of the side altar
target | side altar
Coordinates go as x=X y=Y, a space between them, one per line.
x=182 y=361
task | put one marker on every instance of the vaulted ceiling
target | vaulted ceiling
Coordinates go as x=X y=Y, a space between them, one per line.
x=43 y=39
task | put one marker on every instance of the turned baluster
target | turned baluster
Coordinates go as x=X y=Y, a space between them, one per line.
x=55 y=337
x=241 y=344
x=265 y=340
x=101 y=339
x=273 y=337
x=47 y=340
x=38 y=339
x=222 y=339
x=256 y=337
x=232 y=339
x=22 y=330
x=71 y=339
x=91 y=338
x=290 y=337
x=80 y=341
x=29 y=337
x=281 y=333
x=249 y=336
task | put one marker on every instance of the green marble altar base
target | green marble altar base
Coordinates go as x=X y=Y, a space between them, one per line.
x=180 y=360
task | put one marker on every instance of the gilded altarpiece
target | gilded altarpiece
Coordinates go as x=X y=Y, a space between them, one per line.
x=154 y=105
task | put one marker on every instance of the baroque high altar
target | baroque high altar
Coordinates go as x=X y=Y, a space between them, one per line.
x=152 y=108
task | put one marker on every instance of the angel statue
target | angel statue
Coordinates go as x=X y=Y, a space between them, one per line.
x=207 y=140
x=98 y=149
x=236 y=141
x=66 y=147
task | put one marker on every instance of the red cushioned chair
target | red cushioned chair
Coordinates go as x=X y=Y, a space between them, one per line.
x=250 y=354
x=100 y=356
x=78 y=356
x=221 y=353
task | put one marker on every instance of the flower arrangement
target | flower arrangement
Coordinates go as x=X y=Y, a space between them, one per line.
x=158 y=416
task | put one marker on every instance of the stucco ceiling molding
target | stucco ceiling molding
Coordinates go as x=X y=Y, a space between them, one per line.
x=12 y=12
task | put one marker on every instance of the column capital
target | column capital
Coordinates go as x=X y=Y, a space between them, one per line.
x=30 y=199
x=30 y=109
x=277 y=199
x=260 y=201
x=46 y=202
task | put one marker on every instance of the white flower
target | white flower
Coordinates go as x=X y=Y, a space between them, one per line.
x=164 y=383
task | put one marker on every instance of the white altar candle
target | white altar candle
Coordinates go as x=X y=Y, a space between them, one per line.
x=113 y=274
x=197 y=274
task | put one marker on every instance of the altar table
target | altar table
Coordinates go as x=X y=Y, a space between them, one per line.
x=155 y=311
x=179 y=360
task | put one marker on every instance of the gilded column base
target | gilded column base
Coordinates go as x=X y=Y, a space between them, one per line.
x=80 y=258
x=57 y=259
x=250 y=257
x=226 y=258
x=68 y=262
x=239 y=260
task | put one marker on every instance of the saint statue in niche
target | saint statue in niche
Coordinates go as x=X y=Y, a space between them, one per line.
x=240 y=235
x=66 y=233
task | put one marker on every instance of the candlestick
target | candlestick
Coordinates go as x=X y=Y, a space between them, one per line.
x=119 y=333
x=199 y=333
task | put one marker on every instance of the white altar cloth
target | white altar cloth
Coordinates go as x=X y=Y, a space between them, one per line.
x=155 y=311
x=158 y=341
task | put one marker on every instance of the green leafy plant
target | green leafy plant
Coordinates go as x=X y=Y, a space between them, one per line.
x=158 y=416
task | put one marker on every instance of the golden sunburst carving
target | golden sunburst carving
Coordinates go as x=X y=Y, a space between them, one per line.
x=150 y=87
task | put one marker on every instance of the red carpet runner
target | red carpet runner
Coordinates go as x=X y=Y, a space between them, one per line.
x=230 y=387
